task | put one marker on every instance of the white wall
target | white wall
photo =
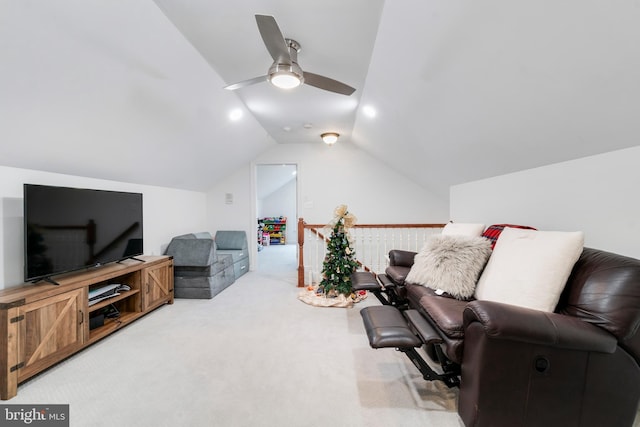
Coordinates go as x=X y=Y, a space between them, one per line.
x=238 y=215
x=282 y=202
x=167 y=212
x=344 y=174
x=597 y=194
x=327 y=177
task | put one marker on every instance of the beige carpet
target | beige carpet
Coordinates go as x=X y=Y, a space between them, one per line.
x=252 y=356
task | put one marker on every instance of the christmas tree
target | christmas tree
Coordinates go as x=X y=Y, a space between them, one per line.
x=339 y=261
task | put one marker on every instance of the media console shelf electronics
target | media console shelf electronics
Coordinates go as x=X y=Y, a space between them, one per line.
x=42 y=324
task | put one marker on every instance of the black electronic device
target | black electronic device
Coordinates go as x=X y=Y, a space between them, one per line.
x=96 y=321
x=67 y=229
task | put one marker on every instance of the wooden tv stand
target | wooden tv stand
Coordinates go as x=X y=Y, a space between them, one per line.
x=42 y=324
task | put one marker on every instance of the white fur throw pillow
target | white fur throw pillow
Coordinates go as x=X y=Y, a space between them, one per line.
x=451 y=264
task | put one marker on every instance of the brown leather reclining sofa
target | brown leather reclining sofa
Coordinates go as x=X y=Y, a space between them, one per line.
x=577 y=366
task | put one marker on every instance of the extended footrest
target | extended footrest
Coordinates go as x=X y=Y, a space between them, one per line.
x=386 y=327
x=366 y=281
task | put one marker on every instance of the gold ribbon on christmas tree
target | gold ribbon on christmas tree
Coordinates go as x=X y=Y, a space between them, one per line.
x=339 y=261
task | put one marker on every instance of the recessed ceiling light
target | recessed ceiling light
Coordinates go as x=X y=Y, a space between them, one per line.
x=369 y=111
x=235 y=114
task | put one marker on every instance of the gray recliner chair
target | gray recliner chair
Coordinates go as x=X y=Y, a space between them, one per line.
x=199 y=271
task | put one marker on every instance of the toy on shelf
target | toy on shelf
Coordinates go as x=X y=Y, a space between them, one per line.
x=275 y=228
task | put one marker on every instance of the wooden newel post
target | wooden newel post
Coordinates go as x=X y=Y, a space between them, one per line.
x=300 y=252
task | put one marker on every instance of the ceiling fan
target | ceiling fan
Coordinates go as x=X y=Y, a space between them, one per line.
x=285 y=72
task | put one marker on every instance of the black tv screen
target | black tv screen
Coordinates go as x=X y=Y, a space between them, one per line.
x=67 y=229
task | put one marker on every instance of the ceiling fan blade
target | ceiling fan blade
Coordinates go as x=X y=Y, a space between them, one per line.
x=326 y=83
x=246 y=83
x=273 y=39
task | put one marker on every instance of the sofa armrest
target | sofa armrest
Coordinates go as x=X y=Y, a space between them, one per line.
x=401 y=258
x=513 y=323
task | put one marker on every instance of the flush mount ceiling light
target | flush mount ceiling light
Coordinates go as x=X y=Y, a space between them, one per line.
x=330 y=138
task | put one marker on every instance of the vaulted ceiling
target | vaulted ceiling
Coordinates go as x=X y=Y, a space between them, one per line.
x=462 y=90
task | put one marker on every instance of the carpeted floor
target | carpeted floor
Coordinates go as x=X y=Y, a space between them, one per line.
x=252 y=356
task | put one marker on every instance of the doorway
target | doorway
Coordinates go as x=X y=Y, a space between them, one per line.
x=276 y=215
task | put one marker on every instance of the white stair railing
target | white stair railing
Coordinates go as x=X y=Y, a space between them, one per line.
x=371 y=242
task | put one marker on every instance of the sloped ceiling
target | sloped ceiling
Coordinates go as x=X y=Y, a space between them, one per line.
x=113 y=90
x=488 y=88
x=271 y=178
x=336 y=37
x=133 y=91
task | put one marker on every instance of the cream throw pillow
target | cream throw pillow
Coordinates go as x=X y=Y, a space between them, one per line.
x=451 y=264
x=530 y=268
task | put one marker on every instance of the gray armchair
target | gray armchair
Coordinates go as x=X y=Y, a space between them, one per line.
x=199 y=271
x=234 y=243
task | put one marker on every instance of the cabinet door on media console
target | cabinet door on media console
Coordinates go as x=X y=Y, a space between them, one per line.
x=49 y=330
x=157 y=285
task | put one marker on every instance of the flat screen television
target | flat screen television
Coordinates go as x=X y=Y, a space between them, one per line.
x=68 y=229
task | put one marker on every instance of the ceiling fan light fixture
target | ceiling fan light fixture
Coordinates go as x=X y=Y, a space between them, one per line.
x=286 y=76
x=330 y=138
x=285 y=80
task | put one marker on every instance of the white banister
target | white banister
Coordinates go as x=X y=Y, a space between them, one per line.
x=371 y=243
